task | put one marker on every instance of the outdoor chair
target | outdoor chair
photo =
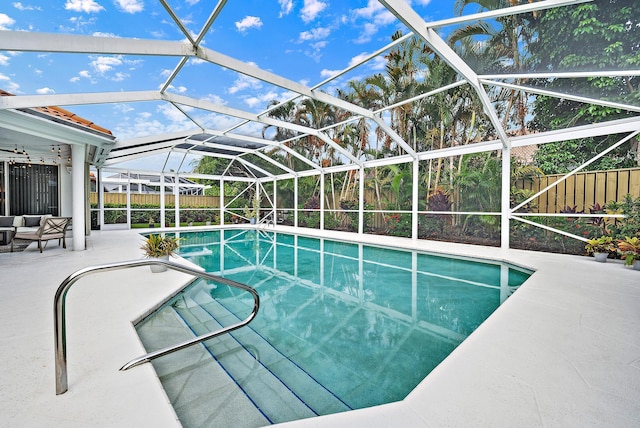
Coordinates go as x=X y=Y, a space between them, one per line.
x=51 y=228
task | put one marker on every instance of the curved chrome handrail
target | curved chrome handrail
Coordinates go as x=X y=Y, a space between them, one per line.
x=60 y=323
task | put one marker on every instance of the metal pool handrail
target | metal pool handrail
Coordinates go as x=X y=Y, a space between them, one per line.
x=60 y=345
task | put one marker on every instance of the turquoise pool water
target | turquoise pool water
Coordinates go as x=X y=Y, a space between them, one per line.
x=341 y=325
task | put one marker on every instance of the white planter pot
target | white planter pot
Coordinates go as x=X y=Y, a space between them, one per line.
x=158 y=268
x=600 y=257
x=636 y=265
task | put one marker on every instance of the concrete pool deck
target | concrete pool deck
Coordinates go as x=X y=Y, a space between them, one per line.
x=564 y=350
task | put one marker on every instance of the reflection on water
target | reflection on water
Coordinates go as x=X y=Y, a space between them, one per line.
x=366 y=323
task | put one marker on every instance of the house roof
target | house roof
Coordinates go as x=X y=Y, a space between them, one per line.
x=60 y=115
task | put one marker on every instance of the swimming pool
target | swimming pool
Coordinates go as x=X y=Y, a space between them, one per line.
x=341 y=326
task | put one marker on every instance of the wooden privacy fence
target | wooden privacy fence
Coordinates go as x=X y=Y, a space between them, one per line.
x=584 y=189
x=154 y=200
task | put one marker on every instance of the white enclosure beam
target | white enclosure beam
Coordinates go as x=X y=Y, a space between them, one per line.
x=562 y=95
x=25 y=41
x=412 y=20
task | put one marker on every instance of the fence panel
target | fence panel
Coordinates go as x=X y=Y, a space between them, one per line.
x=148 y=199
x=585 y=189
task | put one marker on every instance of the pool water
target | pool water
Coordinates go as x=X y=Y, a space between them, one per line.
x=341 y=325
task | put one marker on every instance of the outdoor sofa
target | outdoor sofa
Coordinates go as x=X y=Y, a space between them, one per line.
x=35 y=228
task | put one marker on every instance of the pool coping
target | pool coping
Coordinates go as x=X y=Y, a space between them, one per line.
x=563 y=350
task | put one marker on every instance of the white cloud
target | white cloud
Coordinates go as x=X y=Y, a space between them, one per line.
x=119 y=77
x=130 y=6
x=101 y=34
x=261 y=100
x=248 y=22
x=6 y=21
x=18 y=5
x=217 y=121
x=83 y=74
x=311 y=9
x=122 y=108
x=285 y=7
x=10 y=86
x=172 y=114
x=375 y=12
x=87 y=6
x=45 y=91
x=377 y=63
x=319 y=45
x=368 y=31
x=421 y=2
x=375 y=16
x=4 y=60
x=104 y=64
x=356 y=59
x=314 y=34
x=244 y=82
x=178 y=89
x=329 y=73
x=373 y=7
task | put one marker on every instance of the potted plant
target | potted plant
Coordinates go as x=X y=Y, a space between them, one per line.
x=252 y=213
x=629 y=249
x=157 y=246
x=600 y=247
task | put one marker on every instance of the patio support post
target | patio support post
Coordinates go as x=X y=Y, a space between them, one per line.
x=295 y=201
x=414 y=199
x=176 y=192
x=162 y=201
x=322 y=200
x=5 y=184
x=78 y=154
x=100 y=189
x=274 y=208
x=361 y=200
x=505 y=200
x=128 y=199
x=258 y=185
x=221 y=214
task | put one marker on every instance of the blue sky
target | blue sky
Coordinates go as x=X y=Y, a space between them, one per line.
x=303 y=40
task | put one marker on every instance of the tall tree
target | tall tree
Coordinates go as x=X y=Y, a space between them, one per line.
x=600 y=35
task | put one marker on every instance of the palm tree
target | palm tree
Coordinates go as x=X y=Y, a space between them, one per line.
x=506 y=50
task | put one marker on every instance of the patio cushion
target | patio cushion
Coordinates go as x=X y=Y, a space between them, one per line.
x=31 y=221
x=6 y=221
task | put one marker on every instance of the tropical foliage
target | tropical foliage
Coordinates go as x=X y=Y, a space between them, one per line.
x=406 y=97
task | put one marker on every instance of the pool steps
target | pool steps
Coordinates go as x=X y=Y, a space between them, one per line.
x=243 y=366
